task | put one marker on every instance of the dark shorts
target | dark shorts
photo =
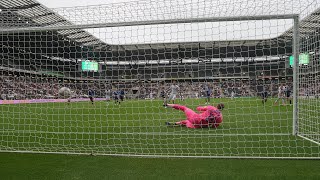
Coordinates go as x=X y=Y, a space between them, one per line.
x=121 y=97
x=264 y=94
x=288 y=94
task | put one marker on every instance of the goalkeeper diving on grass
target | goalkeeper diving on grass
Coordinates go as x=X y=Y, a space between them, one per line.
x=209 y=116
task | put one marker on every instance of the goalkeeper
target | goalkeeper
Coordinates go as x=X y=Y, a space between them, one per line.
x=210 y=116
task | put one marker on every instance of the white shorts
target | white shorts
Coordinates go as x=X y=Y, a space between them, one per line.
x=108 y=98
x=172 y=97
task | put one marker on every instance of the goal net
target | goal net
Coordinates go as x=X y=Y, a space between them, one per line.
x=308 y=125
x=133 y=58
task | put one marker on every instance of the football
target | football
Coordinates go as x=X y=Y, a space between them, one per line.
x=64 y=92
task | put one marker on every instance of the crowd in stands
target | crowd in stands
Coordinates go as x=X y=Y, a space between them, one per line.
x=33 y=87
x=21 y=87
x=225 y=88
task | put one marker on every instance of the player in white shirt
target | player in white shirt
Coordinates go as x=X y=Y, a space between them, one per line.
x=174 y=88
x=197 y=95
x=208 y=92
x=151 y=95
x=281 y=94
x=232 y=95
x=108 y=94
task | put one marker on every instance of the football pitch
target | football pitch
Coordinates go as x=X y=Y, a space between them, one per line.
x=137 y=127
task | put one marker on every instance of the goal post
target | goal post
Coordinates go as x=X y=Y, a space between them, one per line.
x=240 y=61
x=295 y=74
x=294 y=17
x=154 y=22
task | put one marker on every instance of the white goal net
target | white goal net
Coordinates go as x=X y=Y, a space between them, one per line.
x=125 y=64
x=308 y=125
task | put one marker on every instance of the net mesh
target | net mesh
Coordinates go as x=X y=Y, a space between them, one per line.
x=308 y=124
x=130 y=71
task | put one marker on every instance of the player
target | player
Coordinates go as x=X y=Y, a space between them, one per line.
x=208 y=93
x=121 y=95
x=163 y=93
x=181 y=96
x=163 y=96
x=151 y=95
x=232 y=95
x=91 y=95
x=108 y=95
x=116 y=97
x=264 y=95
x=287 y=90
x=280 y=95
x=210 y=116
x=219 y=93
x=174 y=91
x=197 y=95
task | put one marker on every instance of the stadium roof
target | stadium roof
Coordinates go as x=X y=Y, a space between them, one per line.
x=29 y=13
x=80 y=44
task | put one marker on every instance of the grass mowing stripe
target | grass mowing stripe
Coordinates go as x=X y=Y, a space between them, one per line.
x=137 y=127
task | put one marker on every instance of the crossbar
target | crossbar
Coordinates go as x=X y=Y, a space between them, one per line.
x=151 y=22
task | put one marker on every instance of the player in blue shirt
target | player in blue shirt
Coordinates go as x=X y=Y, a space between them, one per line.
x=121 y=95
x=91 y=95
x=116 y=97
x=264 y=95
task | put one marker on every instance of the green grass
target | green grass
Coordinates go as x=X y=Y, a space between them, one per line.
x=68 y=167
x=137 y=128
